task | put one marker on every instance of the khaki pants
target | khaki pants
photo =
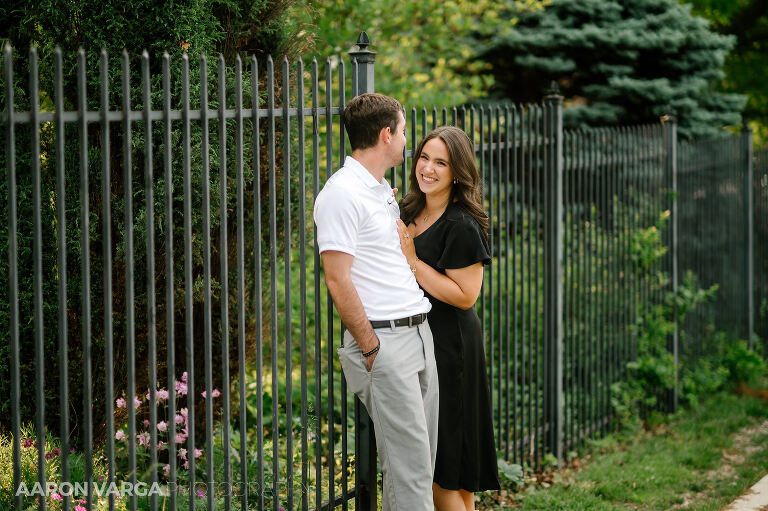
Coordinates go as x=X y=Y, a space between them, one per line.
x=401 y=396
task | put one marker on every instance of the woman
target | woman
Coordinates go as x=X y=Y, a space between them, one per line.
x=443 y=234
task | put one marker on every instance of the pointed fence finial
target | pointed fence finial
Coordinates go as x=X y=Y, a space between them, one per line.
x=362 y=41
x=554 y=89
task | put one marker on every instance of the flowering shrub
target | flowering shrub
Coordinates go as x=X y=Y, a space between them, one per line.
x=167 y=431
x=52 y=467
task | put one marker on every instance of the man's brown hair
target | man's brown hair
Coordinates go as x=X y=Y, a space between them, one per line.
x=366 y=115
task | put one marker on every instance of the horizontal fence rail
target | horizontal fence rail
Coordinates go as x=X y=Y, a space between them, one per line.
x=166 y=320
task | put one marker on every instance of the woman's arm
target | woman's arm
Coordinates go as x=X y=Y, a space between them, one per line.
x=459 y=287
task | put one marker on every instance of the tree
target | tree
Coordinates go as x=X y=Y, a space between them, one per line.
x=746 y=68
x=617 y=62
x=203 y=27
x=425 y=54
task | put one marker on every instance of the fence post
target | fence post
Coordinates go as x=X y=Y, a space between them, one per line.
x=365 y=441
x=749 y=225
x=669 y=124
x=553 y=273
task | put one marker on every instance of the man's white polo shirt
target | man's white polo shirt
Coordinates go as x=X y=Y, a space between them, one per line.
x=356 y=215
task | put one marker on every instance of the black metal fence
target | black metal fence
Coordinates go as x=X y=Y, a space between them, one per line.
x=222 y=302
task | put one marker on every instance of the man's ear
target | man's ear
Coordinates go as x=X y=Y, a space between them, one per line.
x=385 y=135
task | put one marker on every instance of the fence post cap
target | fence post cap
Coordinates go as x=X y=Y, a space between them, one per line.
x=362 y=41
x=363 y=54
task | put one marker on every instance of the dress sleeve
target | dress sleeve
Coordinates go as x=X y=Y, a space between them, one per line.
x=465 y=245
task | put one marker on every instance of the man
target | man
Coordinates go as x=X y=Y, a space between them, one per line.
x=387 y=355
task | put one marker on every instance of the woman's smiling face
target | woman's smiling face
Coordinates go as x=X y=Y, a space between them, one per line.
x=433 y=168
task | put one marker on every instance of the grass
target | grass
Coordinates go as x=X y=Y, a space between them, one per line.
x=701 y=459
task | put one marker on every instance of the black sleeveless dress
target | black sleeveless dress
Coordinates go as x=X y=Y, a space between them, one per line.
x=466 y=455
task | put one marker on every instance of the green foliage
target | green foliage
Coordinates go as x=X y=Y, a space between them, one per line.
x=52 y=467
x=425 y=50
x=511 y=472
x=207 y=27
x=653 y=372
x=616 y=62
x=744 y=365
x=746 y=68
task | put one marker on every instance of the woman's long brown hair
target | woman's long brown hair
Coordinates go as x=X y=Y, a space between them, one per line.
x=467 y=190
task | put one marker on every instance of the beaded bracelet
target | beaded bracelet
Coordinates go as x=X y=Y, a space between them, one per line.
x=373 y=351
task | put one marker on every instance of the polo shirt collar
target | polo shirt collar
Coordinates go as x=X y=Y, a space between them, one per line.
x=362 y=173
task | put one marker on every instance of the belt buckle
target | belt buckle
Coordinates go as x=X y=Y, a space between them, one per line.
x=410 y=321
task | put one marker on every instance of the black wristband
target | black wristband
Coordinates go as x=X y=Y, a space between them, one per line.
x=373 y=351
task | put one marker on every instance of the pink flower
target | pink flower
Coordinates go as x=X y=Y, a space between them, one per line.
x=49 y=455
x=180 y=437
x=184 y=377
x=161 y=395
x=120 y=435
x=198 y=453
x=79 y=508
x=162 y=445
x=184 y=412
x=143 y=439
x=200 y=493
x=56 y=496
x=186 y=465
x=27 y=443
x=167 y=470
x=179 y=419
x=214 y=393
x=57 y=452
x=82 y=501
x=181 y=388
x=136 y=402
x=146 y=423
x=162 y=426
x=120 y=402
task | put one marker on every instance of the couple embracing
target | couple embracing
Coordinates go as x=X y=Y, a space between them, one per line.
x=405 y=280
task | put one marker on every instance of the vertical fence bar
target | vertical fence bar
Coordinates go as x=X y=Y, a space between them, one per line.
x=516 y=143
x=499 y=272
x=329 y=353
x=106 y=202
x=749 y=225
x=287 y=269
x=205 y=199
x=188 y=278
x=525 y=291
x=601 y=280
x=589 y=247
x=536 y=207
x=170 y=285
x=508 y=158
x=484 y=289
x=274 y=352
x=225 y=378
x=344 y=435
x=13 y=270
x=303 y=282
x=553 y=272
x=670 y=171
x=258 y=312
x=85 y=260
x=129 y=289
x=316 y=275
x=151 y=312
x=490 y=307
x=61 y=237
x=38 y=268
x=499 y=291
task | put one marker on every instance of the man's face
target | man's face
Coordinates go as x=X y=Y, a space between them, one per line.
x=398 y=141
